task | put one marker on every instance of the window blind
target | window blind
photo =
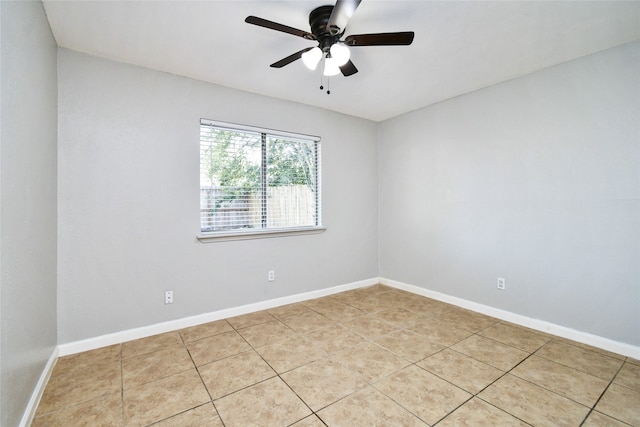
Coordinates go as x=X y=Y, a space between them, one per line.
x=253 y=179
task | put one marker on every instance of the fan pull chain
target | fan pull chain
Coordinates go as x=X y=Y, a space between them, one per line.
x=328 y=85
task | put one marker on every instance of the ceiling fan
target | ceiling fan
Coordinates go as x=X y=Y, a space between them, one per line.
x=328 y=24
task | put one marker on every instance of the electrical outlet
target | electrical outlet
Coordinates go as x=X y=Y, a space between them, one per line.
x=272 y=275
x=502 y=283
x=168 y=297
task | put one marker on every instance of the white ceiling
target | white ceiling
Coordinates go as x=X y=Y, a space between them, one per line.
x=459 y=46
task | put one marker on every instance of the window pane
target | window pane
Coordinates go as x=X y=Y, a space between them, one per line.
x=291 y=183
x=252 y=180
x=230 y=179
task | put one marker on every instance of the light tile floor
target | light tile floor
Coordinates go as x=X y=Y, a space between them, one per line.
x=370 y=357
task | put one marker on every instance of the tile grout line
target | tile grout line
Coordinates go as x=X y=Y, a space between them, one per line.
x=476 y=395
x=593 y=408
x=121 y=386
x=411 y=363
x=201 y=380
x=502 y=376
x=366 y=338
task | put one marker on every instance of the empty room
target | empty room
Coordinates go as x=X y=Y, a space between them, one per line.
x=320 y=213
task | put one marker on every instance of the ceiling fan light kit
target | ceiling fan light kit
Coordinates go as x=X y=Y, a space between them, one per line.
x=328 y=25
x=340 y=53
x=331 y=67
x=312 y=58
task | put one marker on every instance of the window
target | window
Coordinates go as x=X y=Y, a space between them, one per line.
x=256 y=181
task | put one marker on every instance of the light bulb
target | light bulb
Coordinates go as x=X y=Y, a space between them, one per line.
x=340 y=53
x=331 y=67
x=312 y=57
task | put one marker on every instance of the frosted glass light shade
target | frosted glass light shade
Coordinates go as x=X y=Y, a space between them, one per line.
x=340 y=53
x=312 y=57
x=331 y=67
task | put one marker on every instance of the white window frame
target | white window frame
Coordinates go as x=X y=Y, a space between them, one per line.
x=258 y=233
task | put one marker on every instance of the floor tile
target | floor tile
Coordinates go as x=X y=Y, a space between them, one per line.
x=445 y=334
x=163 y=398
x=348 y=297
x=339 y=312
x=251 y=319
x=201 y=416
x=588 y=361
x=422 y=393
x=76 y=363
x=400 y=317
x=153 y=366
x=323 y=382
x=307 y=322
x=378 y=288
x=568 y=382
x=370 y=326
x=629 y=376
x=467 y=319
x=463 y=371
x=533 y=404
x=395 y=297
x=288 y=310
x=587 y=347
x=597 y=419
x=310 y=421
x=104 y=411
x=266 y=333
x=408 y=345
x=269 y=403
x=427 y=308
x=234 y=373
x=478 y=413
x=334 y=338
x=150 y=344
x=621 y=403
x=515 y=336
x=373 y=303
x=368 y=408
x=491 y=352
x=84 y=385
x=371 y=361
x=217 y=347
x=205 y=330
x=316 y=304
x=273 y=366
x=290 y=354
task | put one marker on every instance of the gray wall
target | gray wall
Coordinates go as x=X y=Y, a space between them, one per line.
x=28 y=203
x=129 y=201
x=536 y=180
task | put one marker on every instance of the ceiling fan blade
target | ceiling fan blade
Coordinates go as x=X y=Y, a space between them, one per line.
x=279 y=27
x=289 y=59
x=380 y=39
x=342 y=12
x=348 y=69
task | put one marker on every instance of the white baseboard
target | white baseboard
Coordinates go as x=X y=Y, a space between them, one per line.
x=173 y=325
x=132 y=334
x=539 y=325
x=32 y=406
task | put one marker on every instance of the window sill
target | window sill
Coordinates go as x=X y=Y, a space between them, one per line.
x=222 y=236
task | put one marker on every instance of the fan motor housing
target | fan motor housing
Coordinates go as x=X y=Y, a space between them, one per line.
x=318 y=19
